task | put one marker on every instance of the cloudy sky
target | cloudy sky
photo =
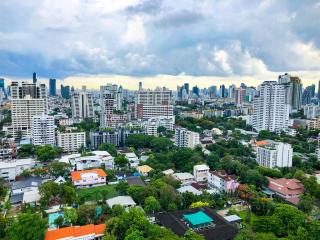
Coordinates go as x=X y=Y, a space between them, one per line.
x=160 y=41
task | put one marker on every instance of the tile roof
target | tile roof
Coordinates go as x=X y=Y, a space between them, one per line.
x=76 y=175
x=286 y=186
x=144 y=169
x=261 y=143
x=78 y=231
x=223 y=174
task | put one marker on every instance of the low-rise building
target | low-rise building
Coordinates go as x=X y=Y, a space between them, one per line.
x=273 y=154
x=144 y=170
x=189 y=189
x=200 y=173
x=185 y=138
x=184 y=178
x=124 y=201
x=71 y=142
x=131 y=156
x=9 y=170
x=86 y=232
x=88 y=178
x=222 y=181
x=288 y=189
x=314 y=123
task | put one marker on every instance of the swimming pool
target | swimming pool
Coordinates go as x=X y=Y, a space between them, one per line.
x=52 y=217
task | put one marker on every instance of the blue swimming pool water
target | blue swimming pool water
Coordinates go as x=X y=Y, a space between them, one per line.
x=52 y=217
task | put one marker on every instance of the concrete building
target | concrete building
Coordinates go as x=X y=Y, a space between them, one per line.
x=82 y=104
x=153 y=103
x=295 y=92
x=311 y=111
x=124 y=201
x=239 y=96
x=271 y=108
x=200 y=173
x=314 y=123
x=88 y=178
x=71 y=142
x=184 y=178
x=9 y=170
x=186 y=138
x=43 y=130
x=273 y=154
x=52 y=87
x=28 y=100
x=223 y=182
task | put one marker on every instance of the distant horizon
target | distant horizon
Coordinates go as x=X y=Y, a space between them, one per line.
x=169 y=81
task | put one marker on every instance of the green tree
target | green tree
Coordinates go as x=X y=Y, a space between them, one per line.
x=59 y=221
x=306 y=203
x=110 y=148
x=70 y=215
x=199 y=204
x=47 y=153
x=28 y=227
x=25 y=151
x=57 y=169
x=121 y=160
x=86 y=214
x=151 y=205
x=191 y=235
x=161 y=144
x=253 y=177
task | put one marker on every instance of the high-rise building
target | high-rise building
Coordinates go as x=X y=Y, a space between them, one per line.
x=271 y=108
x=213 y=91
x=319 y=89
x=153 y=103
x=196 y=91
x=295 y=90
x=222 y=92
x=43 y=130
x=65 y=91
x=2 y=86
x=140 y=86
x=28 y=100
x=111 y=100
x=71 y=142
x=274 y=154
x=307 y=95
x=185 y=138
x=186 y=87
x=232 y=89
x=239 y=95
x=82 y=104
x=52 y=87
x=34 y=78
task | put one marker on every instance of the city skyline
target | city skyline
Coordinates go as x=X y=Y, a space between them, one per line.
x=200 y=42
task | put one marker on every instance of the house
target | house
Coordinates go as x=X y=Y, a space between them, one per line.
x=124 y=201
x=201 y=220
x=200 y=172
x=88 y=178
x=131 y=156
x=98 y=159
x=168 y=172
x=144 y=170
x=86 y=232
x=9 y=170
x=26 y=190
x=135 y=181
x=288 y=189
x=189 y=189
x=222 y=181
x=184 y=178
x=60 y=180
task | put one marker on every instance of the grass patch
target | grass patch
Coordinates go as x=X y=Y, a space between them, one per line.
x=244 y=215
x=96 y=193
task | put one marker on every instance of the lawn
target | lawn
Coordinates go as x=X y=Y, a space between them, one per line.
x=243 y=215
x=96 y=193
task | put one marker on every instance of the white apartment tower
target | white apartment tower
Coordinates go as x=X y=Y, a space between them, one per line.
x=82 y=104
x=71 y=142
x=153 y=103
x=43 y=130
x=186 y=138
x=271 y=108
x=274 y=154
x=27 y=100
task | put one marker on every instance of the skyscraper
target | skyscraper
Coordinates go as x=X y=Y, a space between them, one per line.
x=232 y=89
x=65 y=91
x=271 y=108
x=43 y=131
x=295 y=90
x=213 y=91
x=2 y=87
x=239 y=95
x=222 y=92
x=186 y=87
x=52 y=87
x=196 y=91
x=307 y=95
x=34 y=78
x=82 y=104
x=319 y=89
x=28 y=100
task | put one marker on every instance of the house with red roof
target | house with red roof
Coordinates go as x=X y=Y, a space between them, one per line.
x=88 y=178
x=86 y=232
x=289 y=189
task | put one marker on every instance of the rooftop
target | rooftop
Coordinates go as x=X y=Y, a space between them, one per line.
x=198 y=218
x=76 y=175
x=144 y=169
x=121 y=200
x=75 y=232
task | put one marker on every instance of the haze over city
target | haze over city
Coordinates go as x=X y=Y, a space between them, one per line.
x=203 y=42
